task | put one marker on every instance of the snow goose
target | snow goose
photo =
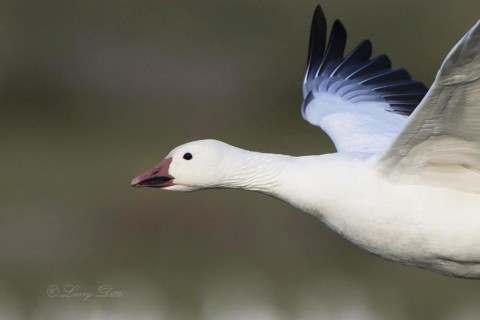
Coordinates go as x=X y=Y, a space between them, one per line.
x=405 y=182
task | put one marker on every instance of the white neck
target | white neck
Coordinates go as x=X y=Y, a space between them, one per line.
x=283 y=177
x=254 y=171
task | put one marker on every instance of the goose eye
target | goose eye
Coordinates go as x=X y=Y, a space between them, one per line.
x=187 y=156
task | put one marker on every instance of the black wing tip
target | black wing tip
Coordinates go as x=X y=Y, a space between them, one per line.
x=321 y=54
x=319 y=21
x=316 y=47
x=366 y=44
x=337 y=24
x=404 y=96
x=338 y=33
x=327 y=60
x=335 y=49
x=318 y=13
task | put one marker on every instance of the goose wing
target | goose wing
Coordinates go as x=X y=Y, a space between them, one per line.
x=359 y=101
x=440 y=145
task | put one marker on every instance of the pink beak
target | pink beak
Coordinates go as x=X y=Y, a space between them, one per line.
x=157 y=177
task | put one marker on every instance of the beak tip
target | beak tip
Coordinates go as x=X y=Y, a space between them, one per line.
x=157 y=177
x=135 y=182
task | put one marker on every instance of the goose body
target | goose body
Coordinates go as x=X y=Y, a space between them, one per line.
x=424 y=226
x=405 y=182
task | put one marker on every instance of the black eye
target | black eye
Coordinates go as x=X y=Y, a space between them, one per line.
x=187 y=156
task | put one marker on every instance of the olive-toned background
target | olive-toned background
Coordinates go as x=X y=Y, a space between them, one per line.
x=95 y=92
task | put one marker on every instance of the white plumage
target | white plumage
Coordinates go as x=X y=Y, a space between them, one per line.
x=441 y=143
x=404 y=187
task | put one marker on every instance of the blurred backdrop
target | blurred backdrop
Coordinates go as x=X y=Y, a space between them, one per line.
x=95 y=92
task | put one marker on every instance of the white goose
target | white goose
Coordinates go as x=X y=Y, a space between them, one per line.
x=404 y=187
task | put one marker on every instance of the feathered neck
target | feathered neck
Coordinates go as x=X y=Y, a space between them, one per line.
x=254 y=171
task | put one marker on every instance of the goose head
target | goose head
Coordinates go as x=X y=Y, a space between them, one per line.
x=195 y=165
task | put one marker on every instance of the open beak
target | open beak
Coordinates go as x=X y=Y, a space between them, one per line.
x=157 y=177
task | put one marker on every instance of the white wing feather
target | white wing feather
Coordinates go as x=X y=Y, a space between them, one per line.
x=440 y=145
x=355 y=126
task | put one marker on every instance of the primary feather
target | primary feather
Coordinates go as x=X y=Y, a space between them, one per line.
x=361 y=103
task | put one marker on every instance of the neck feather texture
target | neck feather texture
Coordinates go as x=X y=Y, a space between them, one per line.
x=254 y=171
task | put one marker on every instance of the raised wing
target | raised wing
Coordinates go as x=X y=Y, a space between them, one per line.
x=361 y=103
x=441 y=143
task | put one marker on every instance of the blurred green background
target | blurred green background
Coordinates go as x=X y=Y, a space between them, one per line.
x=95 y=92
